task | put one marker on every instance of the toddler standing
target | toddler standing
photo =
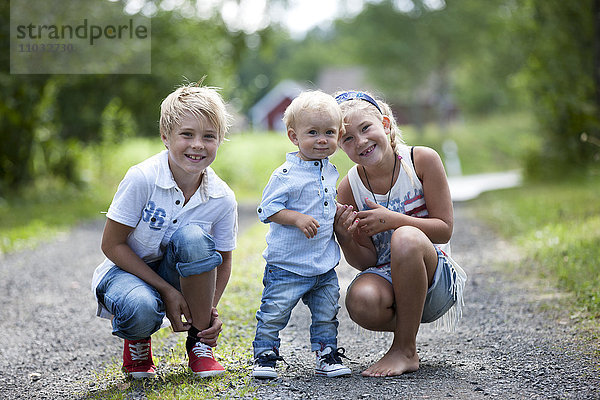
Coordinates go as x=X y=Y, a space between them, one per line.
x=301 y=254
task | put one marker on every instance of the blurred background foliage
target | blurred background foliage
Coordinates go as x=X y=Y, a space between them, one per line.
x=540 y=57
x=523 y=77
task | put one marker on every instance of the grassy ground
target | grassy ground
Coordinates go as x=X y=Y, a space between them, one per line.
x=49 y=206
x=489 y=144
x=558 y=227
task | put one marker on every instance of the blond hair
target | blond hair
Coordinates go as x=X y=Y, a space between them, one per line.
x=365 y=106
x=200 y=101
x=362 y=104
x=313 y=100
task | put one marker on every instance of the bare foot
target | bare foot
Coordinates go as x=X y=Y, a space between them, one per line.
x=393 y=363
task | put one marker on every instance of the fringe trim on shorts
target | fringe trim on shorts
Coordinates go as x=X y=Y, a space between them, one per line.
x=367 y=334
x=450 y=319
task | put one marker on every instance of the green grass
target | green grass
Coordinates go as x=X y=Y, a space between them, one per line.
x=491 y=144
x=246 y=161
x=558 y=227
x=50 y=206
x=237 y=309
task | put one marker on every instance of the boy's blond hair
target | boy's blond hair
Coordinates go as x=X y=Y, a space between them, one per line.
x=200 y=101
x=312 y=100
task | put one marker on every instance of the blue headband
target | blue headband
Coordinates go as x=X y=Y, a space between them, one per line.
x=356 y=95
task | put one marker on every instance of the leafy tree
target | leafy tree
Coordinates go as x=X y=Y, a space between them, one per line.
x=42 y=116
x=18 y=118
x=451 y=50
x=256 y=71
x=561 y=75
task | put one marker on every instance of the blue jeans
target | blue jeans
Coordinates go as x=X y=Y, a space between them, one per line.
x=283 y=290
x=137 y=307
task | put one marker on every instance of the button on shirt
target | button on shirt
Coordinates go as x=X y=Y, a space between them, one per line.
x=149 y=201
x=308 y=187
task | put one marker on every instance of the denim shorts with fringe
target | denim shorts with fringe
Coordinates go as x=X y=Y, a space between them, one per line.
x=445 y=291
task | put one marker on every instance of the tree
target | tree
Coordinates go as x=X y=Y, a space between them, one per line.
x=41 y=115
x=460 y=51
x=561 y=74
x=18 y=119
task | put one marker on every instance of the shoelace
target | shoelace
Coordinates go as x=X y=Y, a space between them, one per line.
x=269 y=360
x=335 y=357
x=139 y=351
x=201 y=350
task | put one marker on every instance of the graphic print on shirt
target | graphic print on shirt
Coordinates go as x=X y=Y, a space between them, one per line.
x=413 y=204
x=154 y=215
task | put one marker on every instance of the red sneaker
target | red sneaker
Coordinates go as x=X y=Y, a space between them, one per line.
x=202 y=362
x=137 y=359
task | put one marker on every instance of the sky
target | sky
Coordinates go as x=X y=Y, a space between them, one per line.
x=299 y=16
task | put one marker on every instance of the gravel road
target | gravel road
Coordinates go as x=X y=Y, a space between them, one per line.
x=509 y=345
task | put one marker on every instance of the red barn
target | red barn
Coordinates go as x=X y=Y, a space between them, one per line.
x=267 y=113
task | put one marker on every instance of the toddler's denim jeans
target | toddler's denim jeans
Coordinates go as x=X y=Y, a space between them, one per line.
x=137 y=307
x=283 y=290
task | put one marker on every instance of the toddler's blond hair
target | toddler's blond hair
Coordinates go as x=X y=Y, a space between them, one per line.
x=313 y=100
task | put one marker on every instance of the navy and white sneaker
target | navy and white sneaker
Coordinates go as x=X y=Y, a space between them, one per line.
x=329 y=363
x=265 y=365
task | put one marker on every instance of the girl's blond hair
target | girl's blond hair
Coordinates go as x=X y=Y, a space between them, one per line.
x=200 y=101
x=379 y=110
x=360 y=105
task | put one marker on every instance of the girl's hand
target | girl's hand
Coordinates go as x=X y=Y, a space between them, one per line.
x=176 y=307
x=375 y=220
x=307 y=224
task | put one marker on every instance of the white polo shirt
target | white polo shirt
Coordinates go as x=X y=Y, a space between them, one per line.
x=149 y=200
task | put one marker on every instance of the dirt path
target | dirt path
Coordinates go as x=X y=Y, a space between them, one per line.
x=52 y=345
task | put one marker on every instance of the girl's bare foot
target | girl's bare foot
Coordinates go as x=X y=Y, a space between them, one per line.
x=393 y=363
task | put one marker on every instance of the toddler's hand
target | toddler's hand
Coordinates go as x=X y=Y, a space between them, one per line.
x=345 y=219
x=307 y=224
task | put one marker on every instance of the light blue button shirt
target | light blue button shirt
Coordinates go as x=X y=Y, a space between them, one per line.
x=308 y=187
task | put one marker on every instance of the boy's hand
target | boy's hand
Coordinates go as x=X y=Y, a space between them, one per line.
x=176 y=306
x=210 y=335
x=347 y=228
x=307 y=224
